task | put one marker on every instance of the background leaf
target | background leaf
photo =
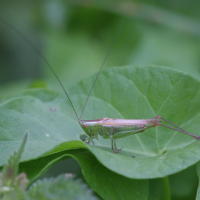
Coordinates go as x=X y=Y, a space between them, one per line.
x=105 y=182
x=61 y=187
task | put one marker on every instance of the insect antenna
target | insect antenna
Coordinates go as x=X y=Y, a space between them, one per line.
x=108 y=52
x=41 y=56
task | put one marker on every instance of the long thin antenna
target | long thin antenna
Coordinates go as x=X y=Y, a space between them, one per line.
x=110 y=47
x=41 y=55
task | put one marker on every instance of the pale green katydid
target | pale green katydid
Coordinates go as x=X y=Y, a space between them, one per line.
x=119 y=128
x=108 y=127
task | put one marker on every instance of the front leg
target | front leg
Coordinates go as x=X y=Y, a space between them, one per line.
x=88 y=139
x=85 y=140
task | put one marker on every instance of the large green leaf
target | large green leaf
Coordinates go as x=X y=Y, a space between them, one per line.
x=136 y=93
x=128 y=92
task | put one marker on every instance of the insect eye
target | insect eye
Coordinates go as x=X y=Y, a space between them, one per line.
x=84 y=125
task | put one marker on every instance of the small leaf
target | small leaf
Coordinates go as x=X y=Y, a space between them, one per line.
x=10 y=170
x=21 y=181
x=64 y=187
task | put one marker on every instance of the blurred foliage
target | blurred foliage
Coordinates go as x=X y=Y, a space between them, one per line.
x=14 y=185
x=75 y=35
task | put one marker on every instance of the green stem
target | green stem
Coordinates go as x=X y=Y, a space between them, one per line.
x=166 y=188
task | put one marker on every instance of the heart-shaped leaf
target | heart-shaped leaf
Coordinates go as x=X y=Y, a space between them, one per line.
x=142 y=93
x=128 y=92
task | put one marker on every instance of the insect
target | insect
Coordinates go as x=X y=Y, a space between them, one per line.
x=108 y=127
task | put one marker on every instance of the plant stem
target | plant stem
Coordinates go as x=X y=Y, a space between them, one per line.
x=166 y=188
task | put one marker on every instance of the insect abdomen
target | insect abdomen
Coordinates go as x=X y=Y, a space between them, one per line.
x=115 y=132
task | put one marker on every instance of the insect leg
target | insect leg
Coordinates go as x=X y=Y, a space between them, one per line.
x=113 y=145
x=89 y=139
x=84 y=140
x=178 y=128
x=159 y=117
x=116 y=146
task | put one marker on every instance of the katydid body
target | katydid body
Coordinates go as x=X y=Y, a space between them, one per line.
x=119 y=128
x=108 y=127
x=115 y=128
